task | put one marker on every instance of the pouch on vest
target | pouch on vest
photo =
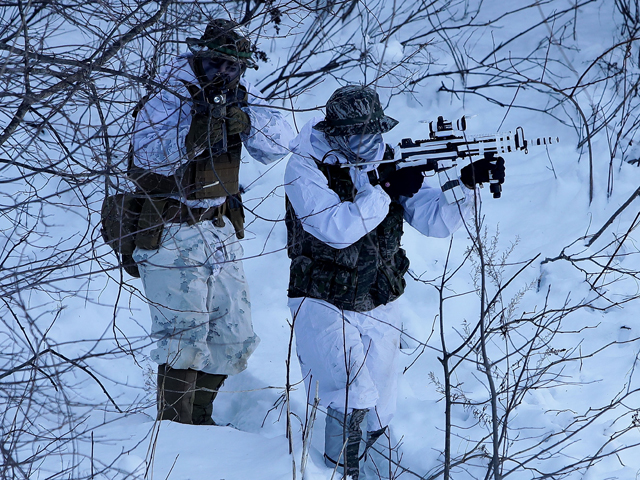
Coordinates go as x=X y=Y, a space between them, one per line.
x=151 y=223
x=235 y=213
x=390 y=283
x=217 y=178
x=119 y=216
x=300 y=276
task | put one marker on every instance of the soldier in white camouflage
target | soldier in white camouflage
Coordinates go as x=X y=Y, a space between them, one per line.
x=186 y=154
x=345 y=215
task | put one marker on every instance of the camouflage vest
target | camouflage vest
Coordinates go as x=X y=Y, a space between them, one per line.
x=358 y=278
x=213 y=173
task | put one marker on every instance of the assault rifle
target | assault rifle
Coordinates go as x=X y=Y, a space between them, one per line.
x=213 y=104
x=446 y=146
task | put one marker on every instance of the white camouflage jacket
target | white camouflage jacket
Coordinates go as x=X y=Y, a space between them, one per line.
x=340 y=224
x=164 y=121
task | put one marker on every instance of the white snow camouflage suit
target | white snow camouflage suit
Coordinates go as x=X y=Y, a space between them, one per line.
x=323 y=331
x=194 y=282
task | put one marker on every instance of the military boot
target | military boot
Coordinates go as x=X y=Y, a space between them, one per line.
x=176 y=389
x=344 y=443
x=382 y=458
x=207 y=387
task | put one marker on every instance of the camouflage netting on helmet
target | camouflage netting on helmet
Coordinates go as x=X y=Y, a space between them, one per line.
x=354 y=110
x=223 y=39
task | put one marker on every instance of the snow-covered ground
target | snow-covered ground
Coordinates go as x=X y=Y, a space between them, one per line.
x=544 y=211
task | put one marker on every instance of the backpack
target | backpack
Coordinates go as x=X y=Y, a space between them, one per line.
x=120 y=214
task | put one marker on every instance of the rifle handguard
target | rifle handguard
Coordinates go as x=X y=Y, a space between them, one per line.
x=444 y=148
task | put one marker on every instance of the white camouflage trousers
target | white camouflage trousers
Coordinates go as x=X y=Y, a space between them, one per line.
x=198 y=299
x=337 y=348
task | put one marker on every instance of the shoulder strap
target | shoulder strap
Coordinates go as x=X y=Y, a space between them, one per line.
x=338 y=178
x=134 y=113
x=241 y=96
x=140 y=105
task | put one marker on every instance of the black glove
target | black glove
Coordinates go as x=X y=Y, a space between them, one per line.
x=483 y=170
x=406 y=182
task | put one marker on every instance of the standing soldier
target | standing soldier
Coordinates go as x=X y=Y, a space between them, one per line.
x=344 y=232
x=187 y=148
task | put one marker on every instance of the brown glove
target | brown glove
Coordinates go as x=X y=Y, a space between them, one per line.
x=204 y=131
x=237 y=120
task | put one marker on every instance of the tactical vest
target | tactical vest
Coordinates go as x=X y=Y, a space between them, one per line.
x=213 y=173
x=359 y=277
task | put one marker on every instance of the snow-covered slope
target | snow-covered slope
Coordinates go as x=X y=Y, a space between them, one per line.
x=565 y=353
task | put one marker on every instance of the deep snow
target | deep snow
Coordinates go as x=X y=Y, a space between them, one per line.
x=544 y=208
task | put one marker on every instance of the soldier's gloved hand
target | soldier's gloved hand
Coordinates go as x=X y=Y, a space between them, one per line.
x=483 y=170
x=204 y=131
x=237 y=120
x=405 y=181
x=200 y=107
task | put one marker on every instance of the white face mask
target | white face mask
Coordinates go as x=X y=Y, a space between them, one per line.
x=366 y=147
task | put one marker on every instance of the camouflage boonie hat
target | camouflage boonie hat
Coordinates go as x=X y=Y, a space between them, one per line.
x=222 y=39
x=354 y=110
